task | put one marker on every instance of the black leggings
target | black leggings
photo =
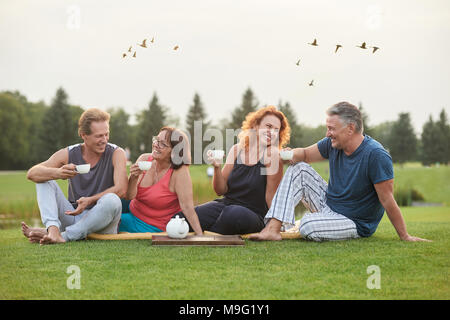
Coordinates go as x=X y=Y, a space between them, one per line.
x=218 y=217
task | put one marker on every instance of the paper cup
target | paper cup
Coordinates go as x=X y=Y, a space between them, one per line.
x=83 y=168
x=144 y=165
x=287 y=154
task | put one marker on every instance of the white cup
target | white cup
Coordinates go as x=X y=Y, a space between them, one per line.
x=216 y=154
x=144 y=165
x=83 y=168
x=287 y=154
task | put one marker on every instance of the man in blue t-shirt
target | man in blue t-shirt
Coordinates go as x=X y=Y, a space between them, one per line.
x=359 y=190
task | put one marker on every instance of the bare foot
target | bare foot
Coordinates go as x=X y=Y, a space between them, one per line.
x=271 y=232
x=266 y=235
x=33 y=234
x=53 y=236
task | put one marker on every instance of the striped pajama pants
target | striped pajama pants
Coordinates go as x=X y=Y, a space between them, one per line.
x=302 y=183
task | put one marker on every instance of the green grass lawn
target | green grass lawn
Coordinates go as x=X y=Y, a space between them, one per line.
x=291 y=269
x=18 y=195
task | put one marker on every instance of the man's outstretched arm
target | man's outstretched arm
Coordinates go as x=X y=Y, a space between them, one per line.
x=385 y=191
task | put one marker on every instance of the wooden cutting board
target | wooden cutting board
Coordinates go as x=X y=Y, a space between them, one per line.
x=193 y=240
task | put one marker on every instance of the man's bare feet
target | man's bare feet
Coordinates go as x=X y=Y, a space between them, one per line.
x=33 y=234
x=53 y=236
x=271 y=232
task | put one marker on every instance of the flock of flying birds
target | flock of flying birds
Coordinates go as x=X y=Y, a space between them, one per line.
x=314 y=43
x=338 y=46
x=143 y=45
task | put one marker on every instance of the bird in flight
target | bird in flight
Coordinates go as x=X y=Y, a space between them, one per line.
x=375 y=49
x=175 y=48
x=314 y=43
x=298 y=62
x=362 y=46
x=124 y=55
x=143 y=44
x=134 y=54
x=311 y=83
x=337 y=48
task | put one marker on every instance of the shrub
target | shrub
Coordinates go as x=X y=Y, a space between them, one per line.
x=406 y=195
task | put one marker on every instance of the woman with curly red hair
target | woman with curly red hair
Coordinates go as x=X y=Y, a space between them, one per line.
x=249 y=177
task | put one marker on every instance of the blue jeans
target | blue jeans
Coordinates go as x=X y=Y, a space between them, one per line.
x=102 y=218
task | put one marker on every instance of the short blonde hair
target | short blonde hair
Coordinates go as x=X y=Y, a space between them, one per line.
x=254 y=118
x=89 y=116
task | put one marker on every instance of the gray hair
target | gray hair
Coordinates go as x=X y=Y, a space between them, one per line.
x=348 y=113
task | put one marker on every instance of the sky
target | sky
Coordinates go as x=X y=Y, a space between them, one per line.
x=226 y=47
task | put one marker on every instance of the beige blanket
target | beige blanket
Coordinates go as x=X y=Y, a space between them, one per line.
x=148 y=235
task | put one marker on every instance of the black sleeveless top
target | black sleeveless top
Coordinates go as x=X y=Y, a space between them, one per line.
x=247 y=187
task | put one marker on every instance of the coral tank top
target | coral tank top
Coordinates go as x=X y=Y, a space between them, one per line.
x=156 y=204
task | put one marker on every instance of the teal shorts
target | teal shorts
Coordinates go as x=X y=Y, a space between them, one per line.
x=130 y=223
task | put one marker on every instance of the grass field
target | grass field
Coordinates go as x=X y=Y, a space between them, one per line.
x=18 y=195
x=291 y=269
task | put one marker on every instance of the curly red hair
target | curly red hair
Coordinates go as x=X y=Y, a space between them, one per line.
x=254 y=118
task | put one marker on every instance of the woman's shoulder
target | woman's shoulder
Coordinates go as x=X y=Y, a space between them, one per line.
x=181 y=172
x=180 y=177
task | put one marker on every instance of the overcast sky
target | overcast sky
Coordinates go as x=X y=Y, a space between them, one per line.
x=226 y=47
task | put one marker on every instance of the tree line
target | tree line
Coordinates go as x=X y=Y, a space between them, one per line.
x=32 y=131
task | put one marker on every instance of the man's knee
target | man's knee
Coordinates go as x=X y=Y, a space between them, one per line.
x=299 y=167
x=47 y=184
x=111 y=203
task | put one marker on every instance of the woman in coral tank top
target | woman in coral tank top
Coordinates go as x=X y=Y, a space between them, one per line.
x=162 y=191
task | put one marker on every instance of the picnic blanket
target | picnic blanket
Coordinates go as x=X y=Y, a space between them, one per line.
x=148 y=235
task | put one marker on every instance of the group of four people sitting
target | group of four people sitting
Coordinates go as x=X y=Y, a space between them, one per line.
x=258 y=198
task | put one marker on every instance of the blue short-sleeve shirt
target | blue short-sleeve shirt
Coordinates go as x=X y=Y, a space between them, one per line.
x=351 y=190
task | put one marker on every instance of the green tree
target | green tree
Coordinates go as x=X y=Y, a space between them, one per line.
x=365 y=117
x=35 y=113
x=403 y=141
x=248 y=104
x=382 y=133
x=57 y=125
x=119 y=128
x=311 y=135
x=429 y=137
x=14 y=143
x=150 y=120
x=196 y=113
x=443 y=142
x=296 y=132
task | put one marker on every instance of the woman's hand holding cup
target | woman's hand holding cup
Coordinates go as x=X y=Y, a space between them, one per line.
x=215 y=157
x=135 y=171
